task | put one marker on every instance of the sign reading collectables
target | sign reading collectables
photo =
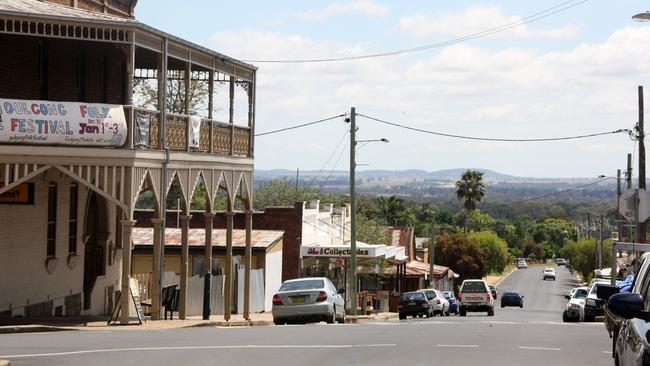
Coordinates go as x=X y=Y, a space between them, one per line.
x=61 y=123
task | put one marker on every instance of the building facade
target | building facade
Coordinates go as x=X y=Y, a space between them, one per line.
x=76 y=151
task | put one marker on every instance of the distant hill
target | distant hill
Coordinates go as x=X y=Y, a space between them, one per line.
x=409 y=173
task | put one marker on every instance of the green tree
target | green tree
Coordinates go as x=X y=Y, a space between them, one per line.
x=497 y=249
x=371 y=231
x=471 y=189
x=582 y=255
x=147 y=95
x=391 y=209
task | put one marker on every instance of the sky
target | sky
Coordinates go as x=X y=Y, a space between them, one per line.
x=574 y=72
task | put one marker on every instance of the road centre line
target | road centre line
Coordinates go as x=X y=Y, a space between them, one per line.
x=540 y=348
x=174 y=348
x=458 y=345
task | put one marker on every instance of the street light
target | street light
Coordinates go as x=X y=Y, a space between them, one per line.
x=353 y=207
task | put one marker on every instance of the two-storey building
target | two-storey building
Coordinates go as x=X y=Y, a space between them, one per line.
x=76 y=152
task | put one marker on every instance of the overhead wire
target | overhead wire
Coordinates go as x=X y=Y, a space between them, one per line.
x=328 y=159
x=546 y=195
x=335 y=165
x=299 y=126
x=523 y=21
x=394 y=124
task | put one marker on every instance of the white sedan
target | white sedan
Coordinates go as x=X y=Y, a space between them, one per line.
x=548 y=273
x=439 y=305
x=308 y=299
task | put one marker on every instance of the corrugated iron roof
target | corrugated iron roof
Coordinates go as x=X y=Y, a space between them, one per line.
x=50 y=9
x=196 y=237
x=416 y=268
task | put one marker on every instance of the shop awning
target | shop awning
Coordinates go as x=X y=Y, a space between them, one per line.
x=421 y=269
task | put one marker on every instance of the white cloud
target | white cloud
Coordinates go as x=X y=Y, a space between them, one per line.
x=462 y=89
x=365 y=7
x=474 y=20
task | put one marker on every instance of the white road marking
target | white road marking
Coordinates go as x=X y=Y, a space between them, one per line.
x=173 y=348
x=458 y=345
x=540 y=348
x=607 y=352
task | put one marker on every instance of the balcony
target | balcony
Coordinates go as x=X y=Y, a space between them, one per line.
x=215 y=137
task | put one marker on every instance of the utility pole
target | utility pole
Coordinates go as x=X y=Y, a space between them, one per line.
x=600 y=242
x=297 y=175
x=353 y=213
x=641 y=226
x=628 y=179
x=589 y=225
x=432 y=252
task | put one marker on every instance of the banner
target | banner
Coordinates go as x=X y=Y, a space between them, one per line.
x=61 y=123
x=141 y=129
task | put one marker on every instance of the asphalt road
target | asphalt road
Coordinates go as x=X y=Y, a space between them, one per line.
x=534 y=335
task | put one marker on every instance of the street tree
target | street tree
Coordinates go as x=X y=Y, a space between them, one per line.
x=470 y=189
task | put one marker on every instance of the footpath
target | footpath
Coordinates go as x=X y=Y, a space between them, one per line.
x=90 y=324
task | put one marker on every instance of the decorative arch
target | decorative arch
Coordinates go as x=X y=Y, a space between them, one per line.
x=223 y=181
x=177 y=176
x=146 y=181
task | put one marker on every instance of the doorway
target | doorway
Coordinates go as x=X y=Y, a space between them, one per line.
x=95 y=237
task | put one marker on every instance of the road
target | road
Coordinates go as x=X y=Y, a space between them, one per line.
x=534 y=335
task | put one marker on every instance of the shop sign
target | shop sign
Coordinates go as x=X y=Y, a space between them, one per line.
x=42 y=122
x=336 y=252
x=23 y=194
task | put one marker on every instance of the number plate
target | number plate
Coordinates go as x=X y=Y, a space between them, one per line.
x=298 y=299
x=412 y=303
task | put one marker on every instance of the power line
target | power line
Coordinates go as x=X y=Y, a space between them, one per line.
x=328 y=159
x=526 y=20
x=546 y=195
x=334 y=167
x=299 y=126
x=493 y=139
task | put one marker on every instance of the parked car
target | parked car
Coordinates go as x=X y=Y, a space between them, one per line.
x=493 y=291
x=575 y=307
x=453 y=301
x=475 y=296
x=308 y=299
x=560 y=261
x=439 y=305
x=593 y=305
x=522 y=264
x=632 y=346
x=512 y=298
x=548 y=273
x=414 y=304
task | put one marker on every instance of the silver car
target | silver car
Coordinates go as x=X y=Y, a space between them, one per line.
x=439 y=305
x=308 y=299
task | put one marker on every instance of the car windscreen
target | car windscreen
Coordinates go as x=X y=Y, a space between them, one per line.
x=302 y=285
x=580 y=294
x=431 y=294
x=474 y=287
x=413 y=296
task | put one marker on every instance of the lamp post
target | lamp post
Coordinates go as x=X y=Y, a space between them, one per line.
x=353 y=208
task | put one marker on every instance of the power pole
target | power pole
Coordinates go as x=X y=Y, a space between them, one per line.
x=641 y=227
x=353 y=213
x=600 y=242
x=589 y=225
x=628 y=179
x=432 y=252
x=297 y=175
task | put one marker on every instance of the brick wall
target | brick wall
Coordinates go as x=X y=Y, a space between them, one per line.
x=287 y=219
x=21 y=69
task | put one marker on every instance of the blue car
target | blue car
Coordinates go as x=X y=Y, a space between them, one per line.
x=453 y=301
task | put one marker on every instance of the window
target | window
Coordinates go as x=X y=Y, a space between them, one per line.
x=51 y=220
x=474 y=286
x=72 y=221
x=302 y=285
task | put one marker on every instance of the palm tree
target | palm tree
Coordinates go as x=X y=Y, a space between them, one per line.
x=390 y=208
x=470 y=188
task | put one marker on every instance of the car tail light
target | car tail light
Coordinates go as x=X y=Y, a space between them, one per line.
x=488 y=296
x=460 y=297
x=322 y=296
x=438 y=302
x=277 y=300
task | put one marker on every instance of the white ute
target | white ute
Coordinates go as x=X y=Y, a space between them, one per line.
x=475 y=296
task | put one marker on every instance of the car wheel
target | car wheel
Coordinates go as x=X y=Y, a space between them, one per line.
x=589 y=318
x=491 y=312
x=278 y=322
x=502 y=306
x=342 y=319
x=332 y=319
x=463 y=312
x=402 y=316
x=565 y=317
